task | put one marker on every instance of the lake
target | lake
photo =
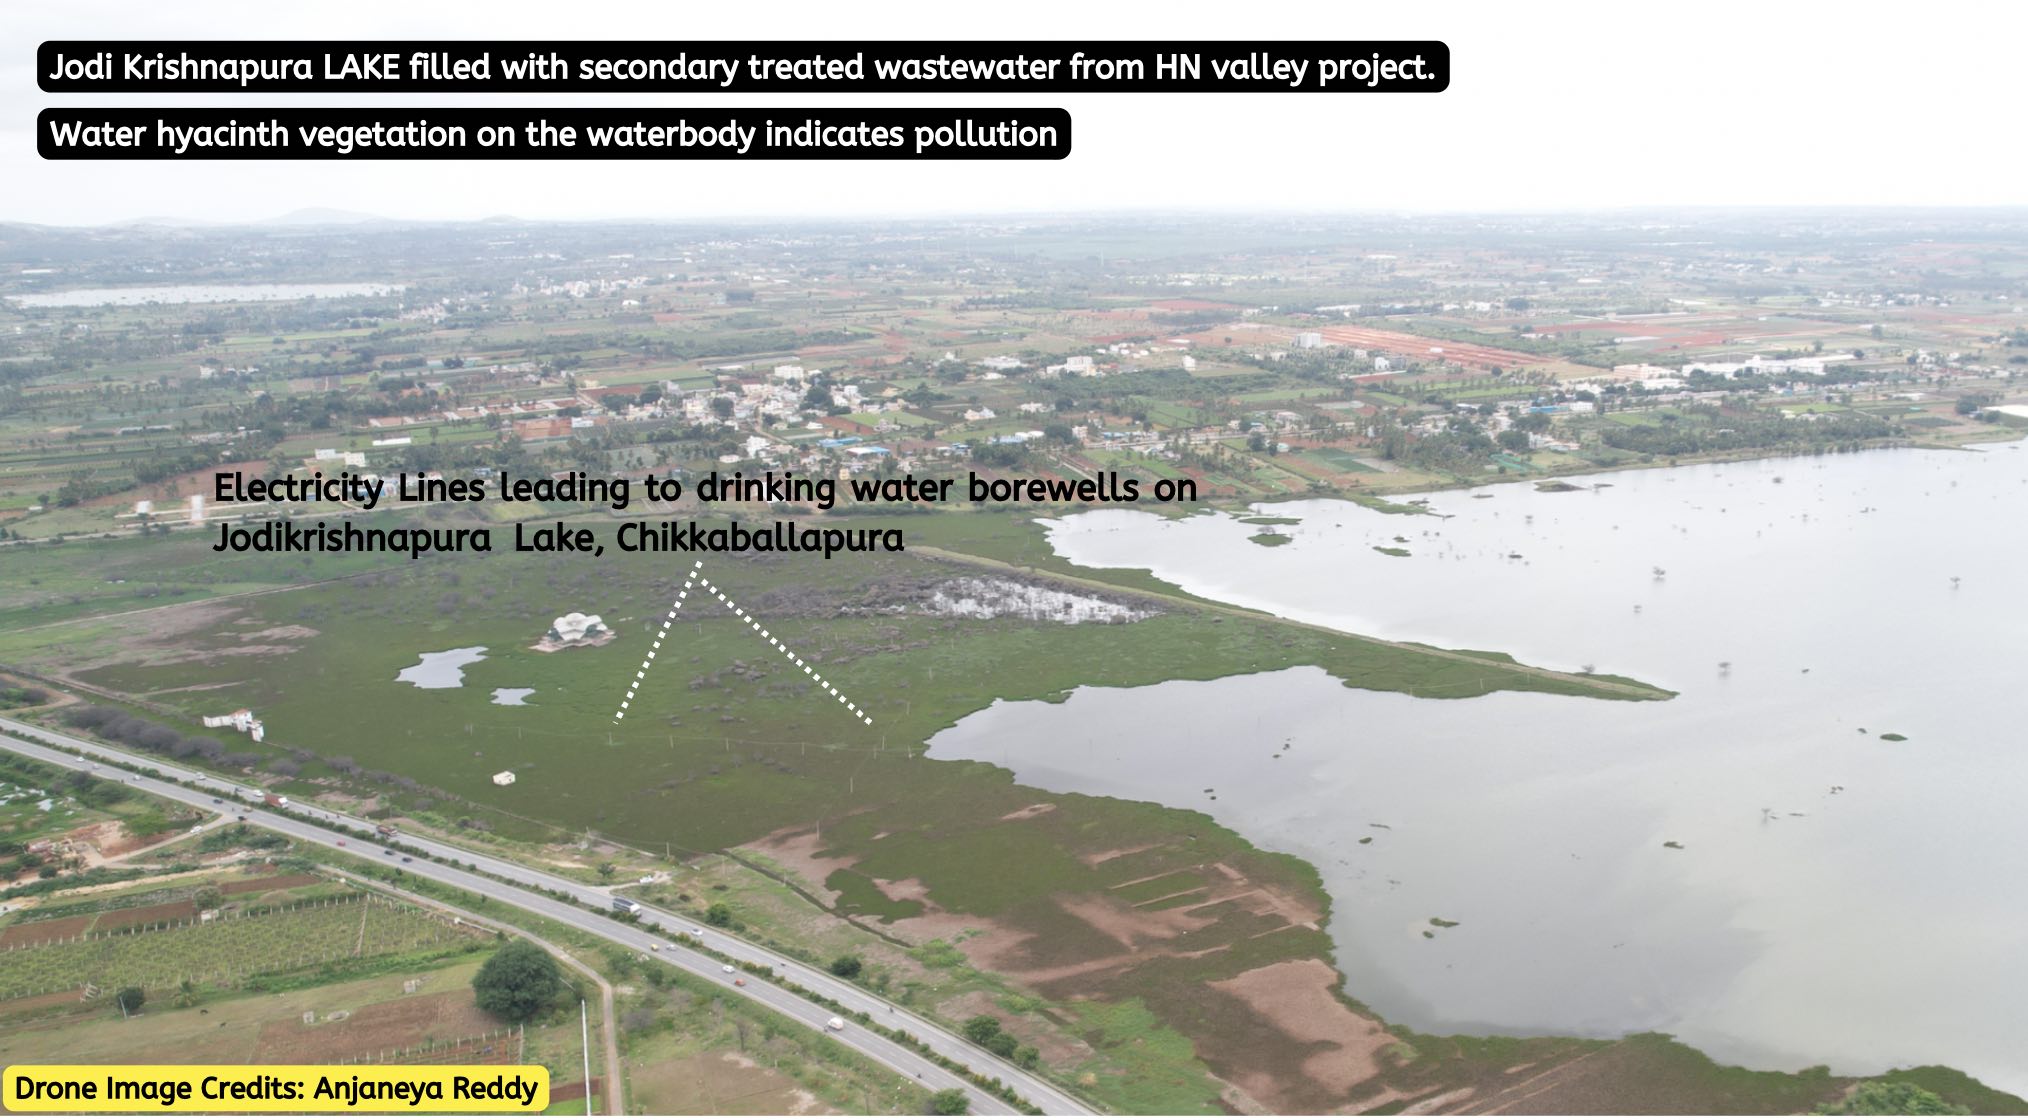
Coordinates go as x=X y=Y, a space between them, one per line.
x=442 y=669
x=199 y=293
x=1749 y=866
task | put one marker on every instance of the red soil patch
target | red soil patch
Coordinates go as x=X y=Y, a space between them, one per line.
x=28 y=933
x=145 y=915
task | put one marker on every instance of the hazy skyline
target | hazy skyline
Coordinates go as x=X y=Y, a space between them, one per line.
x=1577 y=107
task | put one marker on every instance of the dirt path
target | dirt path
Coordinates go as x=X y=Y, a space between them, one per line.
x=1597 y=684
x=609 y=1025
x=125 y=857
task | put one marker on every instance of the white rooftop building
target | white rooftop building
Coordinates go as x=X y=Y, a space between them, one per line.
x=575 y=627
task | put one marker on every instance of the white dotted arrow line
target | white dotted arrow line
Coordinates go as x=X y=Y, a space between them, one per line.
x=785 y=652
x=657 y=647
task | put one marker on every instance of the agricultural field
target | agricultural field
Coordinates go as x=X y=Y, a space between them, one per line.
x=173 y=946
x=417 y=1016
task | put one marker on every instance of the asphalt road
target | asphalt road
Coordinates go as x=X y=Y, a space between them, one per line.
x=653 y=928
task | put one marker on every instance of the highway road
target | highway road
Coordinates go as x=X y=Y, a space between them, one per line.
x=649 y=936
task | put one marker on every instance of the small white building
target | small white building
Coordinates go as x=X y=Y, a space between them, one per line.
x=242 y=721
x=504 y=778
x=576 y=627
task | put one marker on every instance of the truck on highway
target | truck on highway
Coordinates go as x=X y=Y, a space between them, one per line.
x=275 y=800
x=626 y=905
x=385 y=831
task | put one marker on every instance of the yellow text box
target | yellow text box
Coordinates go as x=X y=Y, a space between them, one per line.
x=365 y=1088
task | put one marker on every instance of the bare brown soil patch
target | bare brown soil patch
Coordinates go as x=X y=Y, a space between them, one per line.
x=726 y=1084
x=1296 y=997
x=69 y=997
x=145 y=915
x=410 y=1021
x=1135 y=930
x=1260 y=899
x=904 y=890
x=1026 y=812
x=56 y=929
x=1093 y=859
x=797 y=849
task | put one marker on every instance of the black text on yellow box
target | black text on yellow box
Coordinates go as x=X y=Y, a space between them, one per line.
x=321 y=1089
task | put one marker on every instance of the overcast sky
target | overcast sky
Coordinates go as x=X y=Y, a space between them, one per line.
x=1551 y=107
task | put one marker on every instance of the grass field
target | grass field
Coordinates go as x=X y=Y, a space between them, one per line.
x=174 y=948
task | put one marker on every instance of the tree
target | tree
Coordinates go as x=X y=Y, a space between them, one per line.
x=947 y=1102
x=606 y=871
x=129 y=1000
x=847 y=966
x=1892 y=1098
x=1028 y=1056
x=519 y=982
x=718 y=914
x=981 y=1028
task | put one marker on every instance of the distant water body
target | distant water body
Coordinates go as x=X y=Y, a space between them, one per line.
x=199 y=293
x=1749 y=866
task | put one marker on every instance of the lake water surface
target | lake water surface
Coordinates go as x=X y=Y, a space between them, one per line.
x=1835 y=898
x=442 y=669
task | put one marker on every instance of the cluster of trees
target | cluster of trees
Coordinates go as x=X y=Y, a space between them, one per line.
x=1971 y=404
x=1698 y=429
x=848 y=966
x=989 y=1033
x=1892 y=1098
x=147 y=735
x=1462 y=448
x=519 y=982
x=24 y=696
